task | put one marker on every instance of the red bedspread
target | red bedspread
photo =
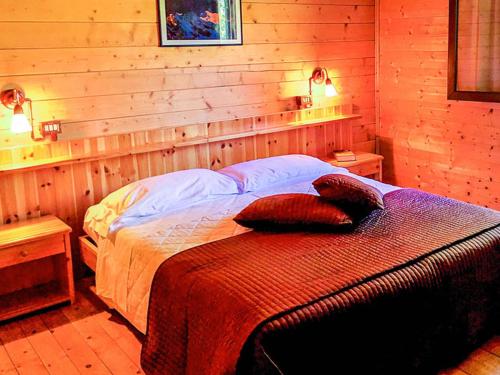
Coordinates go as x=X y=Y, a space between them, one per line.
x=211 y=304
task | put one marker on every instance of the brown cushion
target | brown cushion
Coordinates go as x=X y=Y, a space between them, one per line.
x=292 y=210
x=353 y=196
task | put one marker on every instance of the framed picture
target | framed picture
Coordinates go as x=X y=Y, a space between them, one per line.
x=200 y=22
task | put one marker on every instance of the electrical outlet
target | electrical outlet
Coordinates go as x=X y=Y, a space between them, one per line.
x=51 y=128
x=304 y=102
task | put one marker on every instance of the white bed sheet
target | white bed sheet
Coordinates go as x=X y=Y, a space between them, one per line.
x=126 y=266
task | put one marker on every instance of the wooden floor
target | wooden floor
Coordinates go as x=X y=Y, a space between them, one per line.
x=87 y=338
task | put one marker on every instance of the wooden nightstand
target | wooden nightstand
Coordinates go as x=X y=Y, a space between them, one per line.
x=35 y=266
x=366 y=165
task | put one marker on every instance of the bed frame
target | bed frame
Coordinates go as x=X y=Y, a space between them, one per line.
x=88 y=252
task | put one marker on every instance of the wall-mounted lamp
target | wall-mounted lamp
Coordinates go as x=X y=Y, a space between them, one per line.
x=320 y=75
x=14 y=99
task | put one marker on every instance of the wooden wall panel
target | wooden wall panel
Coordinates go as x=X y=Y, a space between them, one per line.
x=97 y=67
x=429 y=142
x=67 y=188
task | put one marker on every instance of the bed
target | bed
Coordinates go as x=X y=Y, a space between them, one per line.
x=289 y=340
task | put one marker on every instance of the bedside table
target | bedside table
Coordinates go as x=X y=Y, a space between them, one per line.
x=35 y=266
x=366 y=165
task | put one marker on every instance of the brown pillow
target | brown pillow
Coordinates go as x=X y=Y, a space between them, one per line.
x=292 y=210
x=353 y=196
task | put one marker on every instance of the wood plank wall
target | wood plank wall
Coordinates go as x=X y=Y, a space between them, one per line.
x=96 y=66
x=67 y=190
x=445 y=147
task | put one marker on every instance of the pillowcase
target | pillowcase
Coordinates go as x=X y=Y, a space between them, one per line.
x=156 y=195
x=354 y=196
x=292 y=210
x=261 y=173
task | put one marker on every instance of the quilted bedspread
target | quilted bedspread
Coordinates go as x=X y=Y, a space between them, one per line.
x=412 y=283
x=127 y=265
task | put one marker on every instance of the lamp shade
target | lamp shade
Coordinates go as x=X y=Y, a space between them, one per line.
x=20 y=123
x=330 y=89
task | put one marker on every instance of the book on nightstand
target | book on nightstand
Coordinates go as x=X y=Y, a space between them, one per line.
x=345 y=156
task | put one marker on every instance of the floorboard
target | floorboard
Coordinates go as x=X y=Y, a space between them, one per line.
x=52 y=355
x=20 y=351
x=88 y=338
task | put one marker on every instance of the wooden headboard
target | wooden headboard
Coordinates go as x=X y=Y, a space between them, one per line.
x=64 y=178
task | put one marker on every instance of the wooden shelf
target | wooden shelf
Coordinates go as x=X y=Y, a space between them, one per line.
x=323 y=120
x=152 y=147
x=32 y=299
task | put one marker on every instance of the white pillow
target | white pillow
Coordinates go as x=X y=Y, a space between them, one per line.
x=155 y=195
x=261 y=173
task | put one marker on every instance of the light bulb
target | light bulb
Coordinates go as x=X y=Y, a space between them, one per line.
x=330 y=88
x=20 y=123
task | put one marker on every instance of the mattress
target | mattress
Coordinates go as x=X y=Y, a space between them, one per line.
x=127 y=263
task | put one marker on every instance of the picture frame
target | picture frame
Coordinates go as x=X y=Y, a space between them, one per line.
x=200 y=22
